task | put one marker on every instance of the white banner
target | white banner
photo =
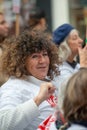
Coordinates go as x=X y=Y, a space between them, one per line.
x=16 y=6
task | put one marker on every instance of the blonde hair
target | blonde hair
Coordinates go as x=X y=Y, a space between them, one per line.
x=75 y=103
x=64 y=49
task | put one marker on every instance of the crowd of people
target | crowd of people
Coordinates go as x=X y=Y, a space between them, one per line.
x=43 y=86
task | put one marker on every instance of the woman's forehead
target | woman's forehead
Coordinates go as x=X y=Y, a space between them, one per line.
x=37 y=51
x=40 y=51
x=73 y=32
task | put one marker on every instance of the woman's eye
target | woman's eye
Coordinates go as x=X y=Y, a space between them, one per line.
x=75 y=37
x=34 y=56
x=45 y=54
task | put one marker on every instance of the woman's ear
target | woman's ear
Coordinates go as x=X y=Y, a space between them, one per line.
x=43 y=22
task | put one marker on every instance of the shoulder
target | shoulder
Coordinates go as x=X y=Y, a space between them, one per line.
x=65 y=66
x=76 y=127
x=53 y=126
x=15 y=84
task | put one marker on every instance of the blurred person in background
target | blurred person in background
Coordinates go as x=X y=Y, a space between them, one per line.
x=37 y=19
x=4 y=28
x=4 y=32
x=75 y=103
x=67 y=39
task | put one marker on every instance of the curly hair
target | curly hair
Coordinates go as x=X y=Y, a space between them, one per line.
x=27 y=43
x=75 y=103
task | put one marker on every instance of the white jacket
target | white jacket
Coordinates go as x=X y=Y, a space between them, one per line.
x=66 y=71
x=77 y=127
x=17 y=109
x=72 y=127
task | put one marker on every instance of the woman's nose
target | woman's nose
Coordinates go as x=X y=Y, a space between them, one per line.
x=41 y=59
x=80 y=40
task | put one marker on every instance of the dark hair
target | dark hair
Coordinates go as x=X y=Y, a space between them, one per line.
x=37 y=13
x=35 y=16
x=27 y=43
x=75 y=100
x=1 y=13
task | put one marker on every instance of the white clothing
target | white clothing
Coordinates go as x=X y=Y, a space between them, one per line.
x=17 y=109
x=47 y=124
x=72 y=127
x=66 y=71
x=77 y=127
x=52 y=126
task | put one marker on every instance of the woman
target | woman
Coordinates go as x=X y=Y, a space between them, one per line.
x=37 y=19
x=29 y=60
x=4 y=28
x=4 y=33
x=69 y=43
x=67 y=38
x=75 y=103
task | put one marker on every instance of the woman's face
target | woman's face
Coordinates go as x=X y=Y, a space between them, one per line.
x=38 y=64
x=74 y=41
x=4 y=27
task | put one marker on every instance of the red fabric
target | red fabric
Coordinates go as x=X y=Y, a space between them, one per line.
x=52 y=100
x=45 y=125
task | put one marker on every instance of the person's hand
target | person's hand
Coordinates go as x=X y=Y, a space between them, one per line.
x=46 y=90
x=83 y=56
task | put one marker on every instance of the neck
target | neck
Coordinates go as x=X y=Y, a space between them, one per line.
x=71 y=58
